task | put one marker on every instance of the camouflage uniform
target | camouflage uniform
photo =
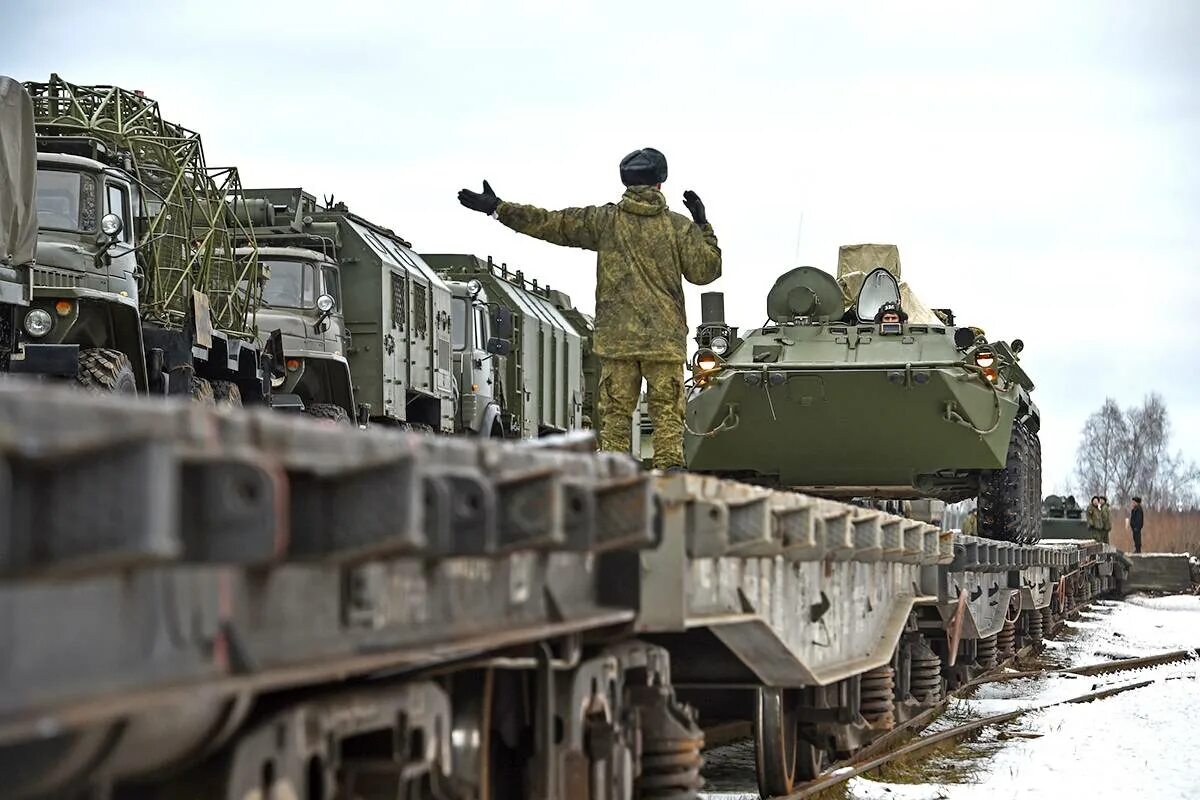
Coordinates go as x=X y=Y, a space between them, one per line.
x=970 y=525
x=644 y=251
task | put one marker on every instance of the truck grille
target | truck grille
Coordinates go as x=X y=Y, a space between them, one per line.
x=46 y=278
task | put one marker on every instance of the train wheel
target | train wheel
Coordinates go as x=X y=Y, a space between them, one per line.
x=783 y=759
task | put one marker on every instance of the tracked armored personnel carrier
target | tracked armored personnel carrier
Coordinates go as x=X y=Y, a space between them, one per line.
x=831 y=398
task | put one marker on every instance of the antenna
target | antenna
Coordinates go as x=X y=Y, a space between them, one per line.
x=799 y=230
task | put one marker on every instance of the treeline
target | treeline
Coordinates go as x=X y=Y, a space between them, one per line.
x=1126 y=453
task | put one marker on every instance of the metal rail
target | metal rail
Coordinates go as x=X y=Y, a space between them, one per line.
x=867 y=759
x=845 y=773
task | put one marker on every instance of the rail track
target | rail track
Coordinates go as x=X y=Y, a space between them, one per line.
x=888 y=748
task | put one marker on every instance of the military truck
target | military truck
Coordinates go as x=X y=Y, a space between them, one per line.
x=389 y=308
x=506 y=356
x=302 y=299
x=537 y=385
x=135 y=285
x=829 y=399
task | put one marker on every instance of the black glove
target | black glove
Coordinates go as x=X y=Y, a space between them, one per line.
x=695 y=206
x=487 y=201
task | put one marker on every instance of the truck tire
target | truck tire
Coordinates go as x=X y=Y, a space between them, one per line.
x=330 y=413
x=227 y=394
x=106 y=371
x=1010 y=503
x=202 y=391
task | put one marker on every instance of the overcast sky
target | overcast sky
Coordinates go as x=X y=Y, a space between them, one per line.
x=1037 y=163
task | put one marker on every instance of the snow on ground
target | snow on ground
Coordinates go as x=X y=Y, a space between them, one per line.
x=1144 y=743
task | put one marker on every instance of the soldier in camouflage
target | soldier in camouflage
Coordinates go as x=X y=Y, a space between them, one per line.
x=644 y=251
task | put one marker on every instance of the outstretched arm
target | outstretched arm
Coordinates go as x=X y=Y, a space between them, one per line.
x=570 y=227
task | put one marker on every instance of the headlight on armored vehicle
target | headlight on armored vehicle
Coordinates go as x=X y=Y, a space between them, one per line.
x=719 y=345
x=38 y=323
x=706 y=360
x=984 y=358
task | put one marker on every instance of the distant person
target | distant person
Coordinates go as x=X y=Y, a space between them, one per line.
x=644 y=251
x=970 y=524
x=1136 y=519
x=1105 y=516
x=1094 y=521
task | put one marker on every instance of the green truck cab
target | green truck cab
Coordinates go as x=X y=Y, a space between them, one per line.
x=302 y=300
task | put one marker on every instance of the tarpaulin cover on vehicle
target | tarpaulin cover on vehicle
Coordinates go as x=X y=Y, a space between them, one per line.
x=18 y=175
x=856 y=261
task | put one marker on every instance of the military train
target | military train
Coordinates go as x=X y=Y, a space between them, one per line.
x=405 y=615
x=213 y=602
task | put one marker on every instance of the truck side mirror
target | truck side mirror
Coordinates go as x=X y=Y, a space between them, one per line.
x=502 y=324
x=499 y=346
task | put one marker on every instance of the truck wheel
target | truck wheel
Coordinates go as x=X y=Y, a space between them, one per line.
x=330 y=413
x=1010 y=506
x=202 y=391
x=227 y=394
x=107 y=371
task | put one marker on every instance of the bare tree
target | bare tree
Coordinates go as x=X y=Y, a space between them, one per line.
x=1127 y=453
x=1098 y=459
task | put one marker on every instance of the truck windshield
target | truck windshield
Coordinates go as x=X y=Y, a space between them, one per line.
x=292 y=284
x=458 y=322
x=66 y=201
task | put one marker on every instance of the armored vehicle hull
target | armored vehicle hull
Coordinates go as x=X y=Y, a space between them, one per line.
x=824 y=428
x=837 y=398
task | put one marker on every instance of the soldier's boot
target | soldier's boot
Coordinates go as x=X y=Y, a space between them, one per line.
x=620 y=384
x=664 y=398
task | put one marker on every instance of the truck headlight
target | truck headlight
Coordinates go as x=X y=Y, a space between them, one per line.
x=111 y=225
x=38 y=323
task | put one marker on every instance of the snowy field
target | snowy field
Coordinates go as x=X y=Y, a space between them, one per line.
x=1143 y=743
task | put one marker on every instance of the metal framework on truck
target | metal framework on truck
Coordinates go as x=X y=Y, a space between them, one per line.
x=187 y=241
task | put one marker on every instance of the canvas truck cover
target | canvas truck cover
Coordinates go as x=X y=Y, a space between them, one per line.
x=856 y=261
x=18 y=175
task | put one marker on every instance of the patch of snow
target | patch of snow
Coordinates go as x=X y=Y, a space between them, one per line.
x=1140 y=743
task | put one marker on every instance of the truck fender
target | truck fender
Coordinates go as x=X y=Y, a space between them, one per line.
x=491 y=421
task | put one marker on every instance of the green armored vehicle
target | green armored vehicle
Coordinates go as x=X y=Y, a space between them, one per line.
x=1063 y=518
x=833 y=398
